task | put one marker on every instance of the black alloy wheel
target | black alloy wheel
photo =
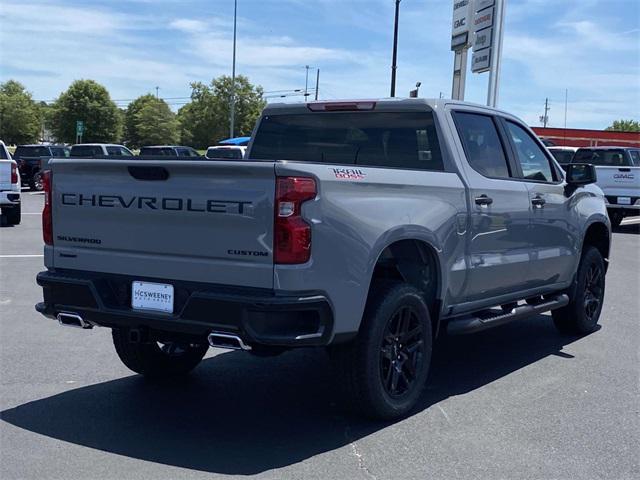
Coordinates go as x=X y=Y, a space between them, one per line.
x=401 y=352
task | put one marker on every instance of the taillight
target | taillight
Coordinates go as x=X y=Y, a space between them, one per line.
x=292 y=234
x=47 y=220
x=14 y=173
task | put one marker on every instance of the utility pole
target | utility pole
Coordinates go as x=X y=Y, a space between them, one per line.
x=544 y=119
x=317 y=81
x=566 y=105
x=232 y=109
x=394 y=62
x=306 y=83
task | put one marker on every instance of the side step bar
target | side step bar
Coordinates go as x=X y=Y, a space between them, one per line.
x=476 y=323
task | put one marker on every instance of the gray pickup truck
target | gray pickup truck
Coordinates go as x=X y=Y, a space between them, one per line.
x=367 y=227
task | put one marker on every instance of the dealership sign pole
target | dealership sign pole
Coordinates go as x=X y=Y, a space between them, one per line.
x=488 y=23
x=460 y=43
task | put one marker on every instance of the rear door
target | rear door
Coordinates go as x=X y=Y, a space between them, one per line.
x=169 y=220
x=498 y=245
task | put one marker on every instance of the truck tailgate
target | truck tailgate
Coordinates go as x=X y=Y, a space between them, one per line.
x=619 y=181
x=195 y=221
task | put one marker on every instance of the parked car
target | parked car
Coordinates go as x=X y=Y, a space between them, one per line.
x=91 y=150
x=10 y=205
x=226 y=152
x=33 y=158
x=563 y=155
x=618 y=170
x=366 y=227
x=169 y=151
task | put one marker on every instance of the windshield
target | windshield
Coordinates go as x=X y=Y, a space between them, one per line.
x=398 y=140
x=602 y=157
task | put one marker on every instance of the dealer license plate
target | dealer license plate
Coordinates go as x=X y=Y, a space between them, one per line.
x=152 y=296
x=624 y=200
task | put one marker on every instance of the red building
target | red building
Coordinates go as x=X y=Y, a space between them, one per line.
x=576 y=137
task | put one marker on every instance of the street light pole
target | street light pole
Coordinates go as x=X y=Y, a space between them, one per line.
x=233 y=73
x=306 y=83
x=394 y=64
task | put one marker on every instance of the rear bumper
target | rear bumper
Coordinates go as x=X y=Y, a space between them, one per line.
x=257 y=316
x=9 y=198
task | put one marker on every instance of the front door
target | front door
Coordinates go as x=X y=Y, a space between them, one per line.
x=554 y=239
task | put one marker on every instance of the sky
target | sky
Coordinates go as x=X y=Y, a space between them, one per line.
x=590 y=47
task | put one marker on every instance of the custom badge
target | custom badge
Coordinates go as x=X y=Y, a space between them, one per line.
x=348 y=173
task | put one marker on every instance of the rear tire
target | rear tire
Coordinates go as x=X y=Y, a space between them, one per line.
x=582 y=314
x=384 y=370
x=157 y=361
x=13 y=215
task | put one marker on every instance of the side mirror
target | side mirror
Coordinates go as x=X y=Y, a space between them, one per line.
x=579 y=174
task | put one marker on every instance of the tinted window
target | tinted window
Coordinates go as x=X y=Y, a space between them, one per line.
x=59 y=151
x=562 y=156
x=602 y=157
x=86 y=151
x=224 y=153
x=482 y=144
x=162 y=151
x=31 y=152
x=635 y=157
x=535 y=164
x=114 y=151
x=3 y=154
x=395 y=140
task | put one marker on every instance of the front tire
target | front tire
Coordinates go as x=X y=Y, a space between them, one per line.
x=615 y=217
x=155 y=360
x=384 y=370
x=583 y=312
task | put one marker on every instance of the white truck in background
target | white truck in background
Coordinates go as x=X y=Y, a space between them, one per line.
x=618 y=170
x=9 y=187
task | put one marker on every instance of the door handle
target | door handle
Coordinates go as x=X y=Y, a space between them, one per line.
x=483 y=200
x=538 y=201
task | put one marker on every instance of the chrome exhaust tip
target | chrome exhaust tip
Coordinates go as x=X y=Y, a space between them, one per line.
x=72 y=320
x=228 y=341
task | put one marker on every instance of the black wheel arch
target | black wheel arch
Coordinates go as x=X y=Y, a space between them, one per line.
x=415 y=262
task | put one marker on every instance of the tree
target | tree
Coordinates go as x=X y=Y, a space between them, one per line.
x=155 y=123
x=20 y=115
x=205 y=120
x=149 y=120
x=89 y=102
x=625 y=126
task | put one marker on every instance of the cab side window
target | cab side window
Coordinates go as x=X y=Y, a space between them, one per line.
x=535 y=164
x=482 y=144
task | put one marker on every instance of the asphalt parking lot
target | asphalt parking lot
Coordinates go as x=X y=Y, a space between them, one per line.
x=518 y=402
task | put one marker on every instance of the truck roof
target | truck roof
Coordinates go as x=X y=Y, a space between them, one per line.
x=609 y=147
x=381 y=104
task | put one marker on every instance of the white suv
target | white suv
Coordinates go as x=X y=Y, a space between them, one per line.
x=9 y=187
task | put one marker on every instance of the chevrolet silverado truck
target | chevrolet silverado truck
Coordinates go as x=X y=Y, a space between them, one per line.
x=10 y=205
x=370 y=228
x=618 y=170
